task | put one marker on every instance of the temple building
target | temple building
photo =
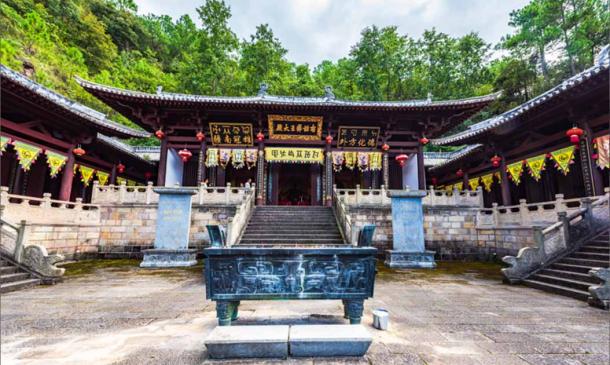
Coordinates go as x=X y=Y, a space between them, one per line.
x=555 y=143
x=296 y=148
x=51 y=144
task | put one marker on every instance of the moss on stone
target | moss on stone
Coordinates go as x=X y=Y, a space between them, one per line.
x=86 y=267
x=456 y=270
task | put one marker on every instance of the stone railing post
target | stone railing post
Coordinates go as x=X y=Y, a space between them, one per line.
x=94 y=191
x=227 y=192
x=539 y=240
x=122 y=192
x=480 y=196
x=588 y=215
x=495 y=214
x=384 y=195
x=200 y=192
x=559 y=203
x=78 y=204
x=3 y=195
x=523 y=212
x=358 y=195
x=149 y=192
x=565 y=226
x=19 y=242
x=455 y=196
x=46 y=200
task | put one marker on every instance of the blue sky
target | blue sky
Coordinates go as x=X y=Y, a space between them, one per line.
x=315 y=30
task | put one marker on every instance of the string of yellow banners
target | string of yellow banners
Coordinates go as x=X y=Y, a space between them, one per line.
x=562 y=159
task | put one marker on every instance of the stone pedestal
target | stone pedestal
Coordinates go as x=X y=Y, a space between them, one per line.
x=172 y=234
x=409 y=250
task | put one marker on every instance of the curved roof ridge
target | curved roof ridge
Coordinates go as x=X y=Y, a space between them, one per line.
x=280 y=99
x=495 y=121
x=95 y=117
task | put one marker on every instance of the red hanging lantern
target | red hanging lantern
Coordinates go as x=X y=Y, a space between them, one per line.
x=574 y=133
x=595 y=156
x=260 y=137
x=459 y=173
x=159 y=134
x=329 y=139
x=424 y=141
x=148 y=175
x=200 y=136
x=495 y=161
x=120 y=168
x=385 y=147
x=434 y=181
x=402 y=159
x=185 y=154
x=78 y=151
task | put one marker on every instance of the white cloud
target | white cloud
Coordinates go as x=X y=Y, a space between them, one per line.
x=314 y=30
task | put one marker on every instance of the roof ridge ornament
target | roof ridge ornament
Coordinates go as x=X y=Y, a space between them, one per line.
x=429 y=97
x=159 y=89
x=328 y=93
x=262 y=90
x=603 y=56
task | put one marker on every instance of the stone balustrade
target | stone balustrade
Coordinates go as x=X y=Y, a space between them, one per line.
x=123 y=194
x=238 y=223
x=376 y=197
x=529 y=214
x=45 y=210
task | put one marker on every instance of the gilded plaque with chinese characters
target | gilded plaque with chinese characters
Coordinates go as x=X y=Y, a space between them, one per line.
x=231 y=134
x=358 y=137
x=299 y=127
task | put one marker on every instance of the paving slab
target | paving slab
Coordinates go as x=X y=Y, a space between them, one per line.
x=237 y=342
x=329 y=340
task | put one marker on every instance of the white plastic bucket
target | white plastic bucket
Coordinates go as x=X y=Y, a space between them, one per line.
x=381 y=318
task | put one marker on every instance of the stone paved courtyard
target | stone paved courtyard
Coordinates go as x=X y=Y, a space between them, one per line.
x=116 y=313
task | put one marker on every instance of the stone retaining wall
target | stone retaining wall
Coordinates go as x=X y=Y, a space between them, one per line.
x=71 y=240
x=450 y=231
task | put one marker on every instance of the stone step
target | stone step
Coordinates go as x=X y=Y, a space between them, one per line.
x=594 y=249
x=585 y=262
x=234 y=342
x=18 y=276
x=591 y=256
x=8 y=269
x=273 y=233
x=599 y=243
x=292 y=241
x=557 y=289
x=281 y=230
x=563 y=282
x=578 y=276
x=18 y=285
x=329 y=340
x=583 y=269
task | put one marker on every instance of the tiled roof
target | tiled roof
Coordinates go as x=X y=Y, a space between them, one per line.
x=82 y=112
x=264 y=99
x=458 y=155
x=601 y=67
x=118 y=145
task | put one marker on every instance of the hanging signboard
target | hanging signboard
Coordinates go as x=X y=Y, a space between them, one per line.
x=358 y=137
x=294 y=155
x=299 y=127
x=231 y=134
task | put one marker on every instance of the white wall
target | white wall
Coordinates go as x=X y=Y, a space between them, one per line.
x=173 y=168
x=410 y=174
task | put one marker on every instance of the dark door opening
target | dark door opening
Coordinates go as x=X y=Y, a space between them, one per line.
x=297 y=184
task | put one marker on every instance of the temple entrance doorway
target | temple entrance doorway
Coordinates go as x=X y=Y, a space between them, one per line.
x=295 y=184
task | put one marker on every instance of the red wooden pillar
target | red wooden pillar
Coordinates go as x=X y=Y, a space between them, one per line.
x=162 y=163
x=113 y=175
x=421 y=170
x=506 y=199
x=65 y=190
x=260 y=174
x=465 y=179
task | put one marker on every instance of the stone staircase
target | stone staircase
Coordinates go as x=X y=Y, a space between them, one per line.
x=569 y=275
x=14 y=278
x=292 y=225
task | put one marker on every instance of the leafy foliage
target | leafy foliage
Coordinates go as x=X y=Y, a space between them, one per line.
x=108 y=42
